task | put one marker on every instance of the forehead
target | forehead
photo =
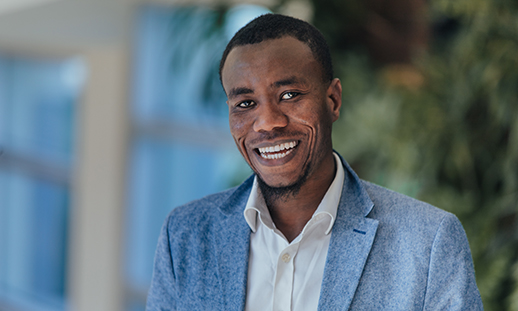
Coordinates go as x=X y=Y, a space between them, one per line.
x=268 y=61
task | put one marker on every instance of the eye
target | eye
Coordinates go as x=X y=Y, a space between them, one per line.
x=289 y=95
x=246 y=104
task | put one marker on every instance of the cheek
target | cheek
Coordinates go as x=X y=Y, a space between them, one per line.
x=238 y=129
x=312 y=116
x=237 y=126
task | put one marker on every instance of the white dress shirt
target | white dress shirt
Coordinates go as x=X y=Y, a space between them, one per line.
x=286 y=276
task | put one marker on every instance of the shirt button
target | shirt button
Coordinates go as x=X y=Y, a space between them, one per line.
x=286 y=257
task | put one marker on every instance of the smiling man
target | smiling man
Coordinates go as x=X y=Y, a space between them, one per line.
x=304 y=232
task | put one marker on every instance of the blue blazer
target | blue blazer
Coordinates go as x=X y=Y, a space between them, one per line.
x=387 y=252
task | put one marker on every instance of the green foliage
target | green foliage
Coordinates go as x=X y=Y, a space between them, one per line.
x=451 y=140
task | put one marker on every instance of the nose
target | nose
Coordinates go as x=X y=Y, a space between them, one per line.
x=270 y=116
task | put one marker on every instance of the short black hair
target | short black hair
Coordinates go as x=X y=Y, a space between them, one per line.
x=275 y=26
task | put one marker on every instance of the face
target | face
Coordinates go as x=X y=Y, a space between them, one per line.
x=280 y=109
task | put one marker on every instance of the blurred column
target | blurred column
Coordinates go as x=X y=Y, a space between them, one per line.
x=97 y=219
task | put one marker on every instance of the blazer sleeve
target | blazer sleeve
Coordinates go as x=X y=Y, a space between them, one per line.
x=162 y=294
x=451 y=279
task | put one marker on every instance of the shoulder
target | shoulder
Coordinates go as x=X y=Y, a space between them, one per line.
x=206 y=205
x=211 y=208
x=405 y=218
x=422 y=248
x=414 y=227
x=388 y=203
x=198 y=211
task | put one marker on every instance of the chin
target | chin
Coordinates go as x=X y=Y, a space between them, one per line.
x=281 y=189
x=280 y=181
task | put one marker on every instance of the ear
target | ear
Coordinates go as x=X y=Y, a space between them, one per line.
x=334 y=98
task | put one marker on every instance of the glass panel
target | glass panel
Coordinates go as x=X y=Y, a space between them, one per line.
x=4 y=100
x=33 y=239
x=37 y=106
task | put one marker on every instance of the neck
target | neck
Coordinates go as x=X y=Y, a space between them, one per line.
x=292 y=207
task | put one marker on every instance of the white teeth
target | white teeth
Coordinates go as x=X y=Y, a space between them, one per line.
x=265 y=151
x=276 y=155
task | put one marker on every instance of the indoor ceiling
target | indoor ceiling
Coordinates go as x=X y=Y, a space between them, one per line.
x=73 y=25
x=64 y=24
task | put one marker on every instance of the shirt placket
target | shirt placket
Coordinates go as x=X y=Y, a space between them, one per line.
x=283 y=289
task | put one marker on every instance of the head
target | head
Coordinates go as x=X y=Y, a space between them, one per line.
x=275 y=26
x=282 y=100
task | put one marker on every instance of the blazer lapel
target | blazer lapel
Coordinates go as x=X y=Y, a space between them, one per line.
x=351 y=241
x=232 y=247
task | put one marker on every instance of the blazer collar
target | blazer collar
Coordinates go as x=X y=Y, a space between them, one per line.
x=235 y=204
x=355 y=200
x=351 y=241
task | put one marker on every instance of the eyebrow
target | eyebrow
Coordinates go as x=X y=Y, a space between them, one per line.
x=239 y=91
x=287 y=81
x=244 y=90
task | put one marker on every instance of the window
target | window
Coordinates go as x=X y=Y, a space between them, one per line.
x=37 y=106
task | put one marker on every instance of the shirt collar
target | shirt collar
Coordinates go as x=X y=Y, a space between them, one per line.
x=256 y=205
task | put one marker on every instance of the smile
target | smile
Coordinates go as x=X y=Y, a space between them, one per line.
x=277 y=151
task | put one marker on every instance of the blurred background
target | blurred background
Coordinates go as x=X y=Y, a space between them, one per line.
x=111 y=114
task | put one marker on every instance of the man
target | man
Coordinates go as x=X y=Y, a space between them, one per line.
x=303 y=233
